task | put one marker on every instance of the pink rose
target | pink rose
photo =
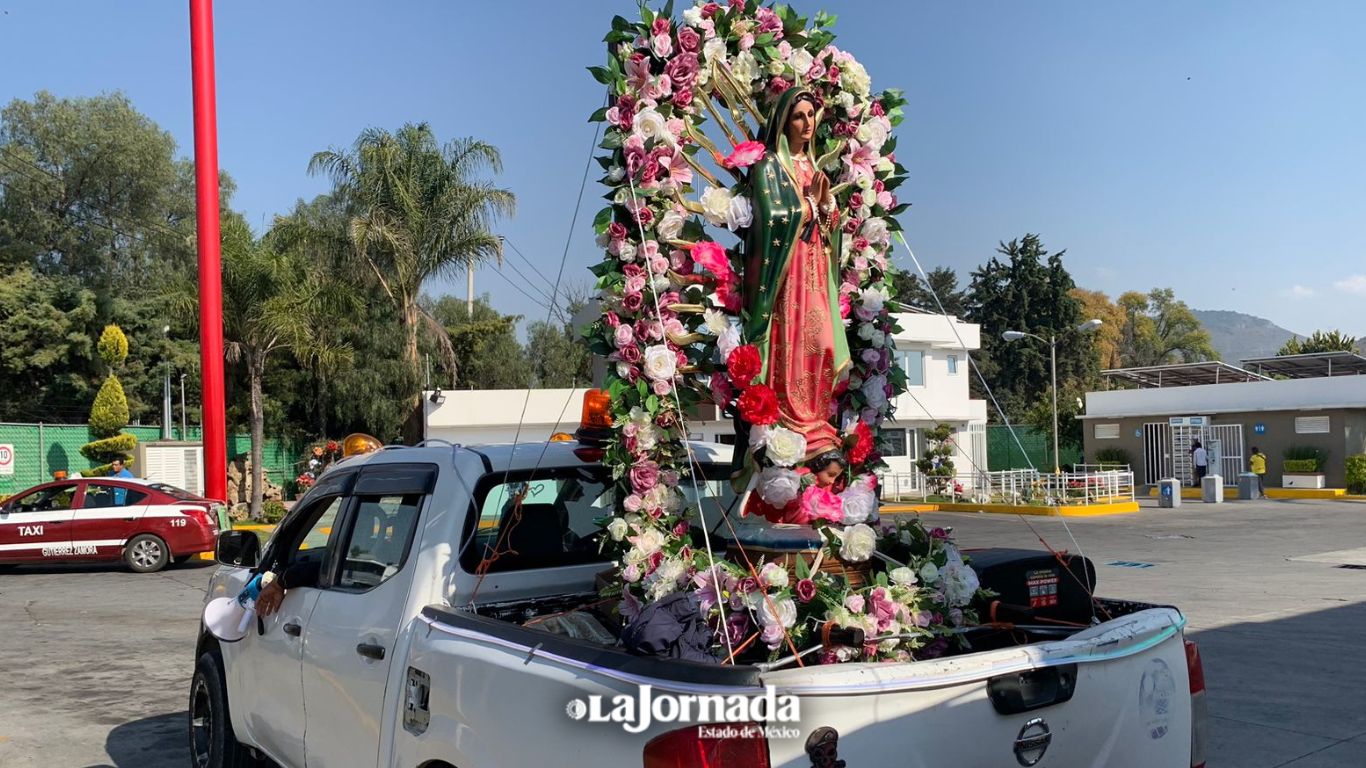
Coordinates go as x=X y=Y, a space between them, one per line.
x=712 y=257
x=631 y=354
x=683 y=98
x=851 y=225
x=689 y=40
x=856 y=200
x=617 y=231
x=681 y=528
x=622 y=336
x=721 y=391
x=854 y=603
x=632 y=503
x=769 y=22
x=728 y=294
x=747 y=41
x=709 y=10
x=682 y=70
x=745 y=154
x=747 y=585
x=777 y=85
x=821 y=504
x=834 y=74
x=887 y=200
x=772 y=635
x=845 y=306
x=632 y=302
x=661 y=26
x=611 y=319
x=644 y=476
x=662 y=45
x=860 y=243
x=661 y=387
x=738 y=5
x=806 y=590
x=877 y=109
x=681 y=261
x=878 y=186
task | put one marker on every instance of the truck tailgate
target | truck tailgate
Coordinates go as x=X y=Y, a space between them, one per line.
x=1129 y=707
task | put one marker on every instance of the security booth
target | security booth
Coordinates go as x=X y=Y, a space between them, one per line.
x=1165 y=409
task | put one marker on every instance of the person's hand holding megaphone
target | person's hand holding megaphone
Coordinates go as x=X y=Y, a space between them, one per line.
x=271 y=596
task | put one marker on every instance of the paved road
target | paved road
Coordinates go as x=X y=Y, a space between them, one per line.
x=95 y=662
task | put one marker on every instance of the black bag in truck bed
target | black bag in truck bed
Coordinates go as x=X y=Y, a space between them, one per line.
x=1030 y=583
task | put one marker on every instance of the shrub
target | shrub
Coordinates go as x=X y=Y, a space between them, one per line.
x=113 y=346
x=272 y=512
x=110 y=411
x=1356 y=473
x=1301 y=466
x=1305 y=453
x=1113 y=456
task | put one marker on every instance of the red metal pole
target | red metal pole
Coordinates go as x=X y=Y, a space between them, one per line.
x=210 y=260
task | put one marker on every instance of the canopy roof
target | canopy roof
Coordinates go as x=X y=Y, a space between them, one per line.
x=1309 y=366
x=1183 y=374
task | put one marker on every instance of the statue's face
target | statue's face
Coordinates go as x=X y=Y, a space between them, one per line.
x=801 y=124
x=827 y=476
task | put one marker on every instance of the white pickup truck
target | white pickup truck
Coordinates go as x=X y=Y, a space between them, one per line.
x=402 y=654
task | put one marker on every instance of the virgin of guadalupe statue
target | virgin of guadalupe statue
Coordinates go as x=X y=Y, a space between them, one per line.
x=791 y=303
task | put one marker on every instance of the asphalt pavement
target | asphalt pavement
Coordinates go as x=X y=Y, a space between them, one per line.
x=95 y=662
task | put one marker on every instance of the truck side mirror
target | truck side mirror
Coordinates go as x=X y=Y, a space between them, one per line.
x=238 y=548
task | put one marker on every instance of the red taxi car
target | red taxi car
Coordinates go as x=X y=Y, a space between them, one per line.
x=145 y=524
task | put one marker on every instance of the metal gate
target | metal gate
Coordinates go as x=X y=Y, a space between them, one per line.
x=1157 y=452
x=1231 y=453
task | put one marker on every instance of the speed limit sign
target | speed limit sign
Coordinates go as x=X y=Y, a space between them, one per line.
x=6 y=459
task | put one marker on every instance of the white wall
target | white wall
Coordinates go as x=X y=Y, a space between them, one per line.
x=1241 y=397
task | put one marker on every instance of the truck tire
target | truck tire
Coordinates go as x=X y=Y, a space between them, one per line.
x=146 y=553
x=212 y=742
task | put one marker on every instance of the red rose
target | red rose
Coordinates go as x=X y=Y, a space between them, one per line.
x=862 y=443
x=759 y=405
x=806 y=590
x=743 y=365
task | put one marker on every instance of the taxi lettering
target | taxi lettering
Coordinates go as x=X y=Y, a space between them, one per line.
x=30 y=530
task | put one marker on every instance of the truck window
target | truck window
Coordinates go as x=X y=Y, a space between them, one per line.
x=378 y=541
x=550 y=518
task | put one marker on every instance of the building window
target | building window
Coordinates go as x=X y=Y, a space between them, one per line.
x=1311 y=425
x=913 y=362
x=1107 y=431
x=726 y=439
x=953 y=365
x=894 y=442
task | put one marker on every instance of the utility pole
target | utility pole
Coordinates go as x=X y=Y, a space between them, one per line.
x=184 y=432
x=166 y=385
x=469 y=291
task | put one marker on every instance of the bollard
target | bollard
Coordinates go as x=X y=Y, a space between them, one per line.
x=1212 y=489
x=1169 y=493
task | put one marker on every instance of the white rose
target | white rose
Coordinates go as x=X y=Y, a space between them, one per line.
x=874 y=391
x=785 y=447
x=660 y=363
x=960 y=582
x=758 y=436
x=716 y=205
x=778 y=487
x=776 y=67
x=878 y=341
x=739 y=214
x=801 y=61
x=903 y=576
x=773 y=611
x=875 y=230
x=624 y=370
x=929 y=572
x=661 y=283
x=716 y=321
x=872 y=299
x=693 y=16
x=727 y=341
x=617 y=529
x=622 y=196
x=626 y=251
x=866 y=331
x=885 y=165
x=860 y=503
x=714 y=50
x=845 y=99
x=744 y=68
x=649 y=541
x=859 y=543
x=615 y=174
x=773 y=575
x=853 y=77
x=651 y=125
x=670 y=225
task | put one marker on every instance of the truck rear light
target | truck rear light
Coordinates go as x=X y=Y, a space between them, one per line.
x=719 y=745
x=1195 y=670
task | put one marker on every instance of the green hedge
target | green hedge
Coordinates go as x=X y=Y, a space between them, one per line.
x=1356 y=473
x=1301 y=466
x=1304 y=453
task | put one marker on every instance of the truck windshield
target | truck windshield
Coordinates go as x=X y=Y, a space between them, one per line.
x=552 y=517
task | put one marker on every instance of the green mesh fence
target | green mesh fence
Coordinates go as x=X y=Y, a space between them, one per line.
x=1004 y=453
x=38 y=450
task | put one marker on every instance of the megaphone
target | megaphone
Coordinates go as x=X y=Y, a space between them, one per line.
x=229 y=618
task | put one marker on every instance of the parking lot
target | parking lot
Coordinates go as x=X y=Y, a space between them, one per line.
x=96 y=661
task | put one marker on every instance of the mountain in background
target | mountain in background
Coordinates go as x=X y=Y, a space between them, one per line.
x=1237 y=337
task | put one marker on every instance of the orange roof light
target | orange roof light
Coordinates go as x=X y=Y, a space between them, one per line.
x=357 y=443
x=597 y=410
x=561 y=437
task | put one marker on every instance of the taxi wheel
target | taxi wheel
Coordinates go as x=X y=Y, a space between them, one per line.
x=212 y=741
x=146 y=553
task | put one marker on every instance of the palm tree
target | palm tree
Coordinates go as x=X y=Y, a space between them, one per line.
x=418 y=210
x=273 y=299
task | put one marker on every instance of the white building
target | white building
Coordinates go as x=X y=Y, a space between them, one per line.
x=933 y=350
x=928 y=347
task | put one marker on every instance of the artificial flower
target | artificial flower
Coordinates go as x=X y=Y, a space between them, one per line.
x=660 y=362
x=745 y=154
x=784 y=447
x=743 y=364
x=779 y=487
x=858 y=544
x=821 y=504
x=758 y=405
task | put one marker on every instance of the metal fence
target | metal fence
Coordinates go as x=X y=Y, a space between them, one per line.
x=1014 y=486
x=38 y=450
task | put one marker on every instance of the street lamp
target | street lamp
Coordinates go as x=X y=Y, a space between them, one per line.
x=1052 y=342
x=166 y=386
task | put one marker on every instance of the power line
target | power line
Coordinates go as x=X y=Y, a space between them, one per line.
x=531 y=266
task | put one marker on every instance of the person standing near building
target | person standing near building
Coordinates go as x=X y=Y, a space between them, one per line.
x=1258 y=463
x=1200 y=458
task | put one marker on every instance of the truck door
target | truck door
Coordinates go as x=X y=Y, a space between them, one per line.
x=268 y=697
x=350 y=638
x=37 y=525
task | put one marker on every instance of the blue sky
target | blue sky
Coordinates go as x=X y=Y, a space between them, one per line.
x=1216 y=147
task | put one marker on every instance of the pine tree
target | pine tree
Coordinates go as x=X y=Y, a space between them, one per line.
x=109 y=413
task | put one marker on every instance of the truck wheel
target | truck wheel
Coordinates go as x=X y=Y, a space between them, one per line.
x=212 y=742
x=146 y=553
